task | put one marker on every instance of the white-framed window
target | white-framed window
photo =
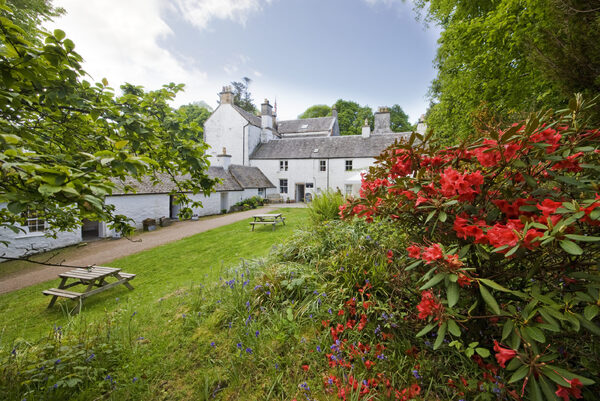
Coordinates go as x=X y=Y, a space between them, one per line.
x=283 y=186
x=322 y=165
x=348 y=189
x=283 y=165
x=348 y=165
x=33 y=223
x=262 y=192
x=309 y=185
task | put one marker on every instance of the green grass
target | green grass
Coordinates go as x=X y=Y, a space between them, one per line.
x=160 y=273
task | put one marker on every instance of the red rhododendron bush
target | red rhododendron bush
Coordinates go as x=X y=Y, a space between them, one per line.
x=504 y=248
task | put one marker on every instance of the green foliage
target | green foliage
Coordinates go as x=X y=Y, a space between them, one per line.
x=325 y=206
x=251 y=203
x=242 y=96
x=196 y=114
x=65 y=142
x=351 y=117
x=399 y=120
x=503 y=58
x=318 y=110
x=30 y=14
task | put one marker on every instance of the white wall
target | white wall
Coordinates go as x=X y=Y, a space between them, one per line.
x=25 y=243
x=225 y=128
x=302 y=171
x=210 y=204
x=252 y=140
x=139 y=207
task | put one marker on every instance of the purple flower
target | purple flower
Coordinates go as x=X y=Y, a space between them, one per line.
x=318 y=348
x=416 y=374
x=239 y=345
x=249 y=350
x=135 y=379
x=257 y=333
x=212 y=344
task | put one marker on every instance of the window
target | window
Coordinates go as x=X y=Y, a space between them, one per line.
x=34 y=223
x=309 y=185
x=348 y=189
x=283 y=186
x=348 y=165
x=322 y=165
x=283 y=165
x=262 y=192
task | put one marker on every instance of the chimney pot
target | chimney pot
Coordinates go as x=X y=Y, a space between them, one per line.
x=226 y=95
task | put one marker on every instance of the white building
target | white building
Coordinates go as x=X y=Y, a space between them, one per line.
x=299 y=156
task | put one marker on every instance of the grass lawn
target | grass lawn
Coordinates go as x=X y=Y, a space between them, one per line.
x=161 y=272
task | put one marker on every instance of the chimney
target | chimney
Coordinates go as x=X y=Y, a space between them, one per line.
x=226 y=95
x=334 y=111
x=421 y=125
x=382 y=121
x=366 y=130
x=266 y=121
x=224 y=160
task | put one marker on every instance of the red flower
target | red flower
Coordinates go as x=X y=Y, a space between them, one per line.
x=369 y=364
x=432 y=253
x=428 y=305
x=548 y=207
x=390 y=256
x=414 y=252
x=503 y=355
x=415 y=390
x=305 y=367
x=575 y=390
x=500 y=235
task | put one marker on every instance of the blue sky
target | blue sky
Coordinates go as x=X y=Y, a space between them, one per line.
x=301 y=52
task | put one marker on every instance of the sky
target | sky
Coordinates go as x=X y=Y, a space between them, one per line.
x=297 y=52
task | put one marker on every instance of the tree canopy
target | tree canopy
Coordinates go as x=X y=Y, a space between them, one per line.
x=503 y=58
x=351 y=116
x=65 y=142
x=316 y=111
x=242 y=96
x=196 y=113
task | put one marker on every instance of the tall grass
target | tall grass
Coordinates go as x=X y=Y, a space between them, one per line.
x=325 y=206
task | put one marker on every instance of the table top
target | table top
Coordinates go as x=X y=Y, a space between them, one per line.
x=263 y=216
x=90 y=274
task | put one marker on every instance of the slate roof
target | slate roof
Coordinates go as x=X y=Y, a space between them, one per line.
x=305 y=125
x=237 y=178
x=250 y=177
x=251 y=118
x=331 y=147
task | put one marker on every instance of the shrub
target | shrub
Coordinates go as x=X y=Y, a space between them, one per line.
x=325 y=206
x=251 y=203
x=505 y=235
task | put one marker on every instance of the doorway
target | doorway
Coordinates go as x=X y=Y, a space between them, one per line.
x=174 y=207
x=90 y=230
x=224 y=202
x=300 y=190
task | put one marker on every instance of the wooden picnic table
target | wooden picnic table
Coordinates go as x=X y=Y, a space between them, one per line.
x=269 y=218
x=93 y=277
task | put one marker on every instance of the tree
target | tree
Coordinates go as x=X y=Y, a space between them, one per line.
x=65 y=143
x=195 y=113
x=351 y=117
x=242 y=96
x=30 y=14
x=399 y=120
x=318 y=110
x=504 y=58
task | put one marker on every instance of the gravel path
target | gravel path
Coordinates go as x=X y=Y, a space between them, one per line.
x=106 y=250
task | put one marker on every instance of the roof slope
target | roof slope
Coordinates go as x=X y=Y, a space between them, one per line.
x=305 y=125
x=330 y=147
x=165 y=184
x=251 y=118
x=250 y=177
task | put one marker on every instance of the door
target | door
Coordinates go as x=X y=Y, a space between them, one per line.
x=90 y=230
x=300 y=192
x=224 y=202
x=174 y=207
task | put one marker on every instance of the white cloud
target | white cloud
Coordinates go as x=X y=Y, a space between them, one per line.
x=200 y=12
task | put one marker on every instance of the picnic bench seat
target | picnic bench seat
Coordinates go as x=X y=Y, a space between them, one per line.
x=92 y=277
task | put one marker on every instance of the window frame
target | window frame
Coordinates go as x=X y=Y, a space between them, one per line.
x=346 y=187
x=282 y=186
x=33 y=220
x=322 y=165
x=348 y=164
x=283 y=165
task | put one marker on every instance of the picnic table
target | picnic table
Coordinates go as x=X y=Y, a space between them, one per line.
x=269 y=218
x=96 y=276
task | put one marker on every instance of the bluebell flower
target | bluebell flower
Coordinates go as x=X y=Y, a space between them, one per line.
x=57 y=362
x=135 y=379
x=257 y=333
x=239 y=345
x=416 y=374
x=229 y=324
x=330 y=312
x=249 y=350
x=276 y=367
x=318 y=348
x=134 y=312
x=268 y=293
x=212 y=344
